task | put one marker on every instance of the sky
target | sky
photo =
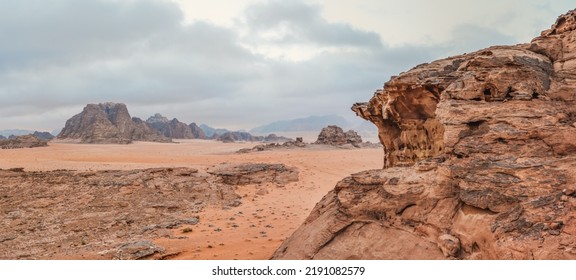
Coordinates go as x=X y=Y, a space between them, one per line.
x=231 y=63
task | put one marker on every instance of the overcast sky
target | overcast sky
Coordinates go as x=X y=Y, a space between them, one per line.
x=230 y=63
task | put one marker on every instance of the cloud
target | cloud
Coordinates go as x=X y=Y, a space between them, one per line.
x=56 y=56
x=469 y=37
x=139 y=53
x=295 y=22
x=60 y=32
x=129 y=51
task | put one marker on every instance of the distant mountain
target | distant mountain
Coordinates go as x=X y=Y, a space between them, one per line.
x=170 y=128
x=43 y=135
x=210 y=131
x=15 y=132
x=197 y=131
x=312 y=123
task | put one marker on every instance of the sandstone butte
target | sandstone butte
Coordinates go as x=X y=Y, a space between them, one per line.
x=479 y=162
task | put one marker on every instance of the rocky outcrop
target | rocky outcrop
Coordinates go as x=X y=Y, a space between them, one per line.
x=241 y=136
x=255 y=173
x=108 y=123
x=197 y=132
x=479 y=159
x=43 y=135
x=170 y=128
x=334 y=135
x=235 y=136
x=23 y=141
x=275 y=146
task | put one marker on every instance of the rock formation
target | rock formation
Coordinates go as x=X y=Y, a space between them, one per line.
x=275 y=146
x=334 y=135
x=43 y=135
x=197 y=132
x=170 y=128
x=255 y=173
x=108 y=123
x=241 y=136
x=23 y=141
x=479 y=162
x=235 y=136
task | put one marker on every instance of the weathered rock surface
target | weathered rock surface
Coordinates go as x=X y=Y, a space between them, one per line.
x=479 y=159
x=255 y=173
x=111 y=214
x=138 y=250
x=108 y=123
x=23 y=141
x=334 y=135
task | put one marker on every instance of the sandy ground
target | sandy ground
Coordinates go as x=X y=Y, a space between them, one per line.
x=253 y=230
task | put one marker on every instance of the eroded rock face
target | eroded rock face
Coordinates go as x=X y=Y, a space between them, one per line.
x=255 y=173
x=108 y=123
x=479 y=160
x=334 y=135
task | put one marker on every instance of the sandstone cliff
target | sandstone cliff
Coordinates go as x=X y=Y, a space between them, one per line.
x=108 y=123
x=479 y=159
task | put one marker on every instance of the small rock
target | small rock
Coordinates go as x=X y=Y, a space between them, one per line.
x=138 y=250
x=449 y=244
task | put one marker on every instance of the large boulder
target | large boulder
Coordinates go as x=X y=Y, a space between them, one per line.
x=479 y=154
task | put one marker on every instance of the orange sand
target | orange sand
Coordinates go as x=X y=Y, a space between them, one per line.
x=253 y=230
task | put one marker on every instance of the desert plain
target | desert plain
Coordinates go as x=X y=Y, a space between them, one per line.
x=267 y=213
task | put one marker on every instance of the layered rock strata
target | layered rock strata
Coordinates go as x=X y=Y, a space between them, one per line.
x=479 y=159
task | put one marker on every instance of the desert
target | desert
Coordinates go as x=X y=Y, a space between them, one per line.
x=292 y=134
x=41 y=222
